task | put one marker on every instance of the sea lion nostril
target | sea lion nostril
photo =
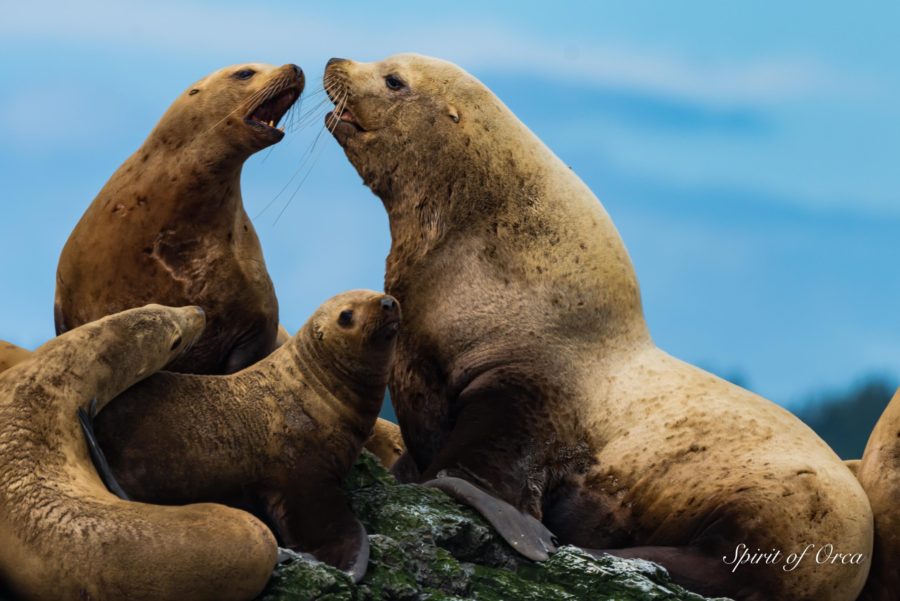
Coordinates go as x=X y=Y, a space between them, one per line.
x=334 y=61
x=297 y=70
x=388 y=303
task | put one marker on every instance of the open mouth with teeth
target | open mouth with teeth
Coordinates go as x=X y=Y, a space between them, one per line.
x=266 y=115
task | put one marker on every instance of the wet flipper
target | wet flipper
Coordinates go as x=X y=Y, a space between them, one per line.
x=317 y=520
x=522 y=531
x=99 y=459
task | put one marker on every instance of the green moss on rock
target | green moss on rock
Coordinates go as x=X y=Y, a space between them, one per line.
x=427 y=547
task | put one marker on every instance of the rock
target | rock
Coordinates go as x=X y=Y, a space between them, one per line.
x=427 y=547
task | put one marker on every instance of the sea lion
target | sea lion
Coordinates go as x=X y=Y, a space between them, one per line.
x=283 y=432
x=526 y=383
x=879 y=474
x=10 y=355
x=169 y=226
x=62 y=534
x=386 y=442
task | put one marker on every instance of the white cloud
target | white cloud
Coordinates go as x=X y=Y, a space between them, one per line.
x=248 y=31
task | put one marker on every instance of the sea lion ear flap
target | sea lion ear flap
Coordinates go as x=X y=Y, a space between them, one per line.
x=453 y=113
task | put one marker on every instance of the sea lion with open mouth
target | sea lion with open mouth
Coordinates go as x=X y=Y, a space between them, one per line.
x=526 y=383
x=169 y=226
x=63 y=535
x=282 y=433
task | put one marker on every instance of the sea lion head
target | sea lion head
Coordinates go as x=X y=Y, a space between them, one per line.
x=405 y=110
x=156 y=326
x=232 y=112
x=355 y=332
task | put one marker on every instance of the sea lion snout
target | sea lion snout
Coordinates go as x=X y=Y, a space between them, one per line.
x=389 y=303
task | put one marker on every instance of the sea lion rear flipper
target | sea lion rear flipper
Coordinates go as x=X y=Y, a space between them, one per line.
x=522 y=531
x=318 y=521
x=97 y=457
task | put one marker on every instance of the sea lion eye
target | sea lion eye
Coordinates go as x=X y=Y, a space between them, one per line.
x=393 y=82
x=192 y=92
x=244 y=74
x=345 y=318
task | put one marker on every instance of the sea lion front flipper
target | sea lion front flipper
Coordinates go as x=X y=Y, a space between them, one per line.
x=97 y=457
x=481 y=462
x=522 y=531
x=319 y=521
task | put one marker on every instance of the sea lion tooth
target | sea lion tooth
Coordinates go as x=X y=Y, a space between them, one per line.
x=63 y=535
x=194 y=243
x=527 y=372
x=283 y=432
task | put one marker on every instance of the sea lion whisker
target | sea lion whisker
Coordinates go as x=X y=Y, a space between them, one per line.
x=303 y=161
x=312 y=163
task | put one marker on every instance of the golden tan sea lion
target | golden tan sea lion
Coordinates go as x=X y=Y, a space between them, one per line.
x=169 y=226
x=10 y=355
x=526 y=382
x=62 y=534
x=283 y=432
x=386 y=442
x=879 y=474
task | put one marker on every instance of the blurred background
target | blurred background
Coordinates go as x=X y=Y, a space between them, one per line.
x=748 y=153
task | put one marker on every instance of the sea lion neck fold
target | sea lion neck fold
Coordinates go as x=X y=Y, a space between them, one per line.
x=432 y=151
x=283 y=432
x=526 y=383
x=170 y=227
x=348 y=369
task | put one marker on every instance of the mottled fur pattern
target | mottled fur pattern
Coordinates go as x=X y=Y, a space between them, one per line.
x=282 y=433
x=170 y=227
x=62 y=534
x=879 y=474
x=525 y=365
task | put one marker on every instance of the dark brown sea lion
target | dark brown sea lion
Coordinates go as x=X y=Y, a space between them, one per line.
x=879 y=474
x=169 y=226
x=526 y=382
x=10 y=355
x=283 y=432
x=62 y=534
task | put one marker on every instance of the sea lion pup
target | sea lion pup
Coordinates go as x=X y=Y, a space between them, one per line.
x=879 y=474
x=10 y=355
x=526 y=383
x=62 y=534
x=169 y=226
x=386 y=442
x=283 y=432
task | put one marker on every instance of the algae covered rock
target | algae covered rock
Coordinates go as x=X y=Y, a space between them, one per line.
x=425 y=546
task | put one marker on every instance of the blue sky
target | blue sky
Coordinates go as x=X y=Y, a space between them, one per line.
x=748 y=153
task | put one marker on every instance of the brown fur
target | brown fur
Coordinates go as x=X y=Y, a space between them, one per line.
x=283 y=432
x=879 y=474
x=386 y=442
x=11 y=355
x=169 y=226
x=525 y=365
x=62 y=534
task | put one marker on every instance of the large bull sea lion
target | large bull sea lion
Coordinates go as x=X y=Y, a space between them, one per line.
x=526 y=382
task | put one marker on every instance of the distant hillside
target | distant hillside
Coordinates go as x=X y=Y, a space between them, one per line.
x=846 y=419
